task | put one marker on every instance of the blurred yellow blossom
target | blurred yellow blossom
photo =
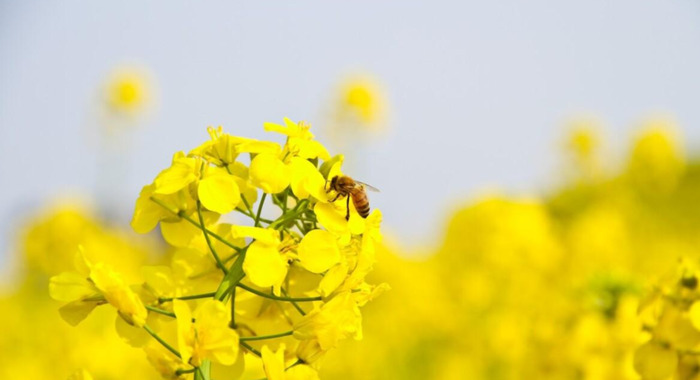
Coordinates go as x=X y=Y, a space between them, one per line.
x=80 y=375
x=657 y=160
x=361 y=102
x=127 y=90
x=95 y=284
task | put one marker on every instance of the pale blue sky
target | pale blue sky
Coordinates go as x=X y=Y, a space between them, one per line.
x=480 y=91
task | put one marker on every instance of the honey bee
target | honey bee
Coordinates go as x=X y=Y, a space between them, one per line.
x=345 y=186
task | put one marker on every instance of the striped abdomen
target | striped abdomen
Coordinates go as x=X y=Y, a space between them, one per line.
x=360 y=201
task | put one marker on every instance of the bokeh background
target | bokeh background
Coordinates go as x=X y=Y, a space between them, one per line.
x=471 y=99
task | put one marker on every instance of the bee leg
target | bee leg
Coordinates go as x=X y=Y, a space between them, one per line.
x=336 y=197
x=347 y=206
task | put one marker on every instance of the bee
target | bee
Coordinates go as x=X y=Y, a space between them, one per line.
x=345 y=186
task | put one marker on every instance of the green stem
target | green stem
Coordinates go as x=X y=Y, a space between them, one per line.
x=301 y=227
x=251 y=216
x=299 y=309
x=234 y=276
x=296 y=363
x=232 y=324
x=260 y=206
x=160 y=311
x=184 y=371
x=226 y=260
x=278 y=298
x=184 y=298
x=206 y=237
x=187 y=218
x=284 y=201
x=263 y=337
x=251 y=349
x=298 y=210
x=247 y=205
x=98 y=298
x=161 y=341
x=203 y=372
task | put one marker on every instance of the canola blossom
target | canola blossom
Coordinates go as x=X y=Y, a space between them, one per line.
x=360 y=100
x=266 y=295
x=670 y=315
x=126 y=92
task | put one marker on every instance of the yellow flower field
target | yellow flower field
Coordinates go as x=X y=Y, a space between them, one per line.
x=598 y=280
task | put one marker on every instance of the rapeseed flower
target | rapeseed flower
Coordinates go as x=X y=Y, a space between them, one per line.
x=231 y=294
x=93 y=285
x=205 y=334
x=127 y=91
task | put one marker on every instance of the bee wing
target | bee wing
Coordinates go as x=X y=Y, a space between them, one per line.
x=367 y=187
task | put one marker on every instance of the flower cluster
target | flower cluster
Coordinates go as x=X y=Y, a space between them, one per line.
x=671 y=318
x=269 y=297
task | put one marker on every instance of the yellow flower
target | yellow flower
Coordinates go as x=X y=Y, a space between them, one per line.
x=274 y=171
x=171 y=193
x=274 y=366
x=656 y=162
x=80 y=374
x=361 y=102
x=318 y=251
x=335 y=320
x=165 y=363
x=148 y=213
x=273 y=362
x=205 y=334
x=269 y=173
x=191 y=271
x=272 y=175
x=654 y=361
x=127 y=91
x=306 y=180
x=264 y=264
x=333 y=278
x=301 y=372
x=119 y=294
x=300 y=140
x=221 y=150
x=216 y=189
x=94 y=285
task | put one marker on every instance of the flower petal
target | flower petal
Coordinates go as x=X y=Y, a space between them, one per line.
x=307 y=180
x=273 y=362
x=264 y=265
x=180 y=233
x=76 y=311
x=269 y=173
x=185 y=329
x=180 y=174
x=332 y=279
x=318 y=251
x=219 y=193
x=70 y=286
x=301 y=372
x=215 y=338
